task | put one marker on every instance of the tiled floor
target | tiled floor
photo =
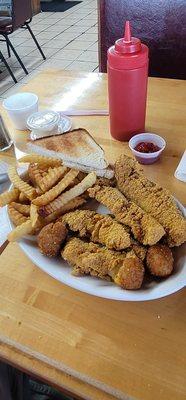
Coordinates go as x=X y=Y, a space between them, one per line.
x=69 y=40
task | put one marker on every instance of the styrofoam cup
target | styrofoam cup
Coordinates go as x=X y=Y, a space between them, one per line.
x=19 y=107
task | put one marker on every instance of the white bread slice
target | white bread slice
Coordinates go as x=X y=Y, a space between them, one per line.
x=103 y=173
x=76 y=146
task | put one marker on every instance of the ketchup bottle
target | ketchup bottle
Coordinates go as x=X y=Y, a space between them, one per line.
x=127 y=69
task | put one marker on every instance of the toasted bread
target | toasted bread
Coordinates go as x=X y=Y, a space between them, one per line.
x=77 y=149
x=76 y=146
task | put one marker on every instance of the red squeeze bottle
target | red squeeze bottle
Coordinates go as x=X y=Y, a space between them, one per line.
x=127 y=69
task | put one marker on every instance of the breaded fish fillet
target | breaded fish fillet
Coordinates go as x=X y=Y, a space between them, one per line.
x=138 y=249
x=126 y=270
x=99 y=228
x=104 y=230
x=106 y=182
x=143 y=226
x=152 y=198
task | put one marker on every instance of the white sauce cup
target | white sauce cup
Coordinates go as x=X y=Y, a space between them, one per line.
x=19 y=107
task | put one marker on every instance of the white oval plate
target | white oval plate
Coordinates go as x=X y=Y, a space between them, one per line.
x=3 y=171
x=60 y=270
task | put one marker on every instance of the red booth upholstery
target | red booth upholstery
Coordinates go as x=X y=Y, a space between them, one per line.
x=158 y=23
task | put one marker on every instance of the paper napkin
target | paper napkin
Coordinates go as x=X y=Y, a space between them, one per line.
x=180 y=172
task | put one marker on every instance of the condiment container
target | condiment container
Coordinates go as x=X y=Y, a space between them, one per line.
x=43 y=121
x=127 y=69
x=48 y=123
x=147 y=158
x=19 y=107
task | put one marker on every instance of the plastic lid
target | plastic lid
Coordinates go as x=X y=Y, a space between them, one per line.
x=128 y=52
x=43 y=120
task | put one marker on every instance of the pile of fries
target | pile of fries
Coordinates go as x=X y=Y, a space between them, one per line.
x=46 y=191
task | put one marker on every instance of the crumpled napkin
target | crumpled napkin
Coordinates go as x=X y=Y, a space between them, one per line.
x=180 y=172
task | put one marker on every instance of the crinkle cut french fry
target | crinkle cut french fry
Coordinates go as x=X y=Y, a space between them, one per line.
x=8 y=197
x=16 y=216
x=56 y=190
x=75 y=203
x=78 y=179
x=35 y=218
x=22 y=208
x=64 y=198
x=23 y=198
x=44 y=161
x=38 y=191
x=20 y=231
x=53 y=175
x=24 y=187
x=25 y=177
x=44 y=173
x=34 y=174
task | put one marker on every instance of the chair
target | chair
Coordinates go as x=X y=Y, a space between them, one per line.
x=21 y=16
x=159 y=24
x=2 y=58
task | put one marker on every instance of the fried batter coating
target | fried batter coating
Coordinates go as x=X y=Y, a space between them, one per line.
x=152 y=198
x=138 y=249
x=99 y=228
x=105 y=181
x=159 y=260
x=126 y=270
x=144 y=227
x=130 y=275
x=51 y=237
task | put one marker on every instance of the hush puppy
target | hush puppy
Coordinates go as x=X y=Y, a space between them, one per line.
x=159 y=260
x=51 y=237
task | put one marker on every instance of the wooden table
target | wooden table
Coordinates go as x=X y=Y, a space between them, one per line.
x=36 y=7
x=95 y=348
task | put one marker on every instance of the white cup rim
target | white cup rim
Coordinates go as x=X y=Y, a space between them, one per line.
x=33 y=95
x=150 y=136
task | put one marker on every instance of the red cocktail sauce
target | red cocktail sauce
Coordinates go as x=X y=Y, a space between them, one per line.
x=146 y=147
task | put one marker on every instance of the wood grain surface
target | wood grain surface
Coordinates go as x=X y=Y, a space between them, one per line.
x=92 y=347
x=36 y=8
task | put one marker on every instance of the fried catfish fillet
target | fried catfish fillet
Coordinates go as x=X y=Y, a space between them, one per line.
x=143 y=226
x=99 y=228
x=125 y=269
x=152 y=198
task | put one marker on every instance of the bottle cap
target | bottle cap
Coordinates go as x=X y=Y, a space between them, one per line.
x=128 y=44
x=128 y=52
